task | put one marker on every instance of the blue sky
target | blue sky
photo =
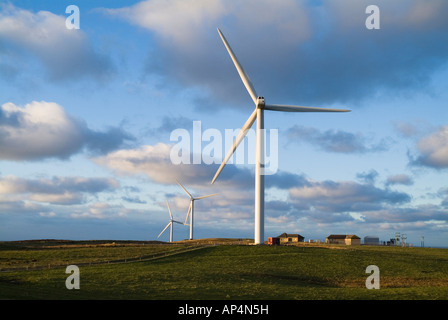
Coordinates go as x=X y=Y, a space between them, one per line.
x=86 y=116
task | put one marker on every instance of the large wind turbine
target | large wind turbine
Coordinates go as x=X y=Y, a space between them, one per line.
x=170 y=224
x=191 y=207
x=258 y=114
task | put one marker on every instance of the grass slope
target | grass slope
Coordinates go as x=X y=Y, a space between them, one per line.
x=228 y=272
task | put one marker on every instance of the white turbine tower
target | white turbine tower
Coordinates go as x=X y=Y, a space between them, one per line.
x=170 y=224
x=258 y=114
x=191 y=208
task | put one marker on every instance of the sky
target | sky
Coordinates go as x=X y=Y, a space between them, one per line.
x=88 y=118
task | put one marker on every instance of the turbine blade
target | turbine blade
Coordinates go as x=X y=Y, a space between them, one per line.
x=243 y=75
x=191 y=197
x=210 y=195
x=289 y=108
x=188 y=213
x=169 y=209
x=177 y=222
x=237 y=141
x=164 y=229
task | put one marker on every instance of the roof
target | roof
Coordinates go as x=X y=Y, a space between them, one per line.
x=343 y=236
x=289 y=235
x=336 y=236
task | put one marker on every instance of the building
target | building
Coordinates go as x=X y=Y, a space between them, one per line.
x=352 y=240
x=274 y=241
x=336 y=239
x=371 y=240
x=288 y=238
x=347 y=239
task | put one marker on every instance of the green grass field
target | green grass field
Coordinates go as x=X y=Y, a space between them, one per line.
x=219 y=272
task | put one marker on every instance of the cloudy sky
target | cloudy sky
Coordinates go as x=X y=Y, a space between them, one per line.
x=87 y=117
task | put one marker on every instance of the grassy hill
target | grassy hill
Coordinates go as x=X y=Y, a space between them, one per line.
x=230 y=270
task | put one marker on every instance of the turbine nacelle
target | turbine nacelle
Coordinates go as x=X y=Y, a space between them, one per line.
x=260 y=102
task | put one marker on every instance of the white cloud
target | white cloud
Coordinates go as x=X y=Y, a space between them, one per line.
x=189 y=51
x=344 y=196
x=434 y=149
x=176 y=20
x=403 y=179
x=58 y=190
x=101 y=210
x=155 y=163
x=336 y=141
x=284 y=47
x=40 y=128
x=44 y=130
x=47 y=214
x=422 y=214
x=183 y=23
x=413 y=129
x=234 y=201
x=65 y=54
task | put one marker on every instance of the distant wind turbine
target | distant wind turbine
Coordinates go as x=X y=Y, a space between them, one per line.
x=191 y=207
x=170 y=224
x=258 y=114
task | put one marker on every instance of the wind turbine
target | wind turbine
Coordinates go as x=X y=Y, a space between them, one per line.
x=258 y=114
x=191 y=207
x=170 y=224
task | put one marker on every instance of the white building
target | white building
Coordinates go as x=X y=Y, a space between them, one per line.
x=371 y=240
